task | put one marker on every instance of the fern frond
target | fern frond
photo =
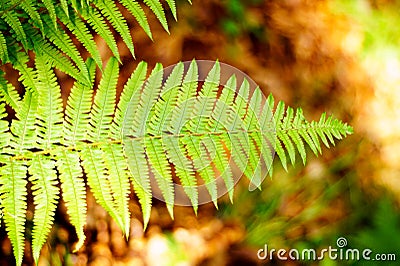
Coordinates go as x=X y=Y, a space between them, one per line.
x=184 y=103
x=148 y=98
x=24 y=130
x=104 y=103
x=160 y=167
x=50 y=108
x=164 y=107
x=79 y=29
x=158 y=10
x=162 y=126
x=242 y=145
x=13 y=201
x=119 y=182
x=64 y=43
x=77 y=111
x=202 y=163
x=11 y=17
x=9 y=93
x=266 y=139
x=54 y=56
x=30 y=8
x=114 y=16
x=172 y=6
x=221 y=161
x=289 y=144
x=184 y=170
x=48 y=4
x=138 y=12
x=137 y=163
x=252 y=125
x=4 y=131
x=19 y=61
x=73 y=191
x=3 y=49
x=97 y=21
x=206 y=100
x=45 y=192
x=130 y=92
x=98 y=181
x=64 y=7
x=140 y=177
x=220 y=115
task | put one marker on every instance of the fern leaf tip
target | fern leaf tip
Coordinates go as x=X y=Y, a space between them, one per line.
x=170 y=208
x=215 y=203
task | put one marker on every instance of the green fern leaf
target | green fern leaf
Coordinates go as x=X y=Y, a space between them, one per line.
x=119 y=182
x=164 y=108
x=196 y=150
x=284 y=136
x=161 y=170
x=241 y=150
x=137 y=164
x=79 y=29
x=3 y=49
x=147 y=100
x=45 y=192
x=29 y=7
x=64 y=6
x=114 y=183
x=9 y=93
x=97 y=21
x=104 y=103
x=24 y=129
x=158 y=10
x=13 y=21
x=111 y=12
x=73 y=191
x=182 y=112
x=64 y=43
x=220 y=116
x=130 y=92
x=206 y=99
x=51 y=9
x=139 y=176
x=184 y=170
x=161 y=127
x=14 y=203
x=50 y=107
x=137 y=11
x=55 y=56
x=172 y=6
x=77 y=111
x=256 y=135
x=4 y=131
x=19 y=61
x=97 y=178
x=266 y=140
x=221 y=161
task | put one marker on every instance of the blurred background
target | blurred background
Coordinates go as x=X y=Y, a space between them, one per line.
x=336 y=56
